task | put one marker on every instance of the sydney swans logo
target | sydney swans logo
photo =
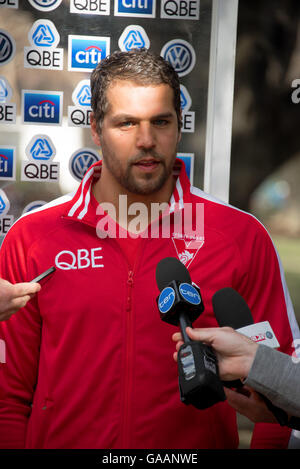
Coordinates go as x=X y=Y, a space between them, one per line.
x=183 y=223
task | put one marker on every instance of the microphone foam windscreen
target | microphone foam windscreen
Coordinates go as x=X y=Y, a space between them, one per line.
x=231 y=309
x=170 y=268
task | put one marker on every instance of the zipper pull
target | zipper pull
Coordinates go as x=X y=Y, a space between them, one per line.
x=130 y=278
x=129 y=283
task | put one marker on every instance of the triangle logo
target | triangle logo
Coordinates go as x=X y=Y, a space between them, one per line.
x=187 y=249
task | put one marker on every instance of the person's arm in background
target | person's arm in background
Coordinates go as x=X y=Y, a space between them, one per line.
x=262 y=284
x=15 y=296
x=267 y=371
x=20 y=338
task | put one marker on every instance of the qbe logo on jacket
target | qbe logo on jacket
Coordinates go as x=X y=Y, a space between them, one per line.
x=135 y=8
x=85 y=52
x=42 y=107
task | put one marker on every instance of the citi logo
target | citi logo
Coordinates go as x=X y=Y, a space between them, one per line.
x=85 y=52
x=7 y=163
x=42 y=107
x=79 y=259
x=135 y=8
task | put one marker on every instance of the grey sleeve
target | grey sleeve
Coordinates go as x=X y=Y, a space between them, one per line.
x=276 y=376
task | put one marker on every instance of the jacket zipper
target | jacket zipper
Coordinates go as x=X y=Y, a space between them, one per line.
x=128 y=365
x=129 y=290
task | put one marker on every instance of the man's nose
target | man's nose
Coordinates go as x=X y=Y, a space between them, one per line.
x=145 y=137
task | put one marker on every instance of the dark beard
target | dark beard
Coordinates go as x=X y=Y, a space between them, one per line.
x=145 y=185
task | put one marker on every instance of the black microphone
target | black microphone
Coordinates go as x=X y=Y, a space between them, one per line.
x=231 y=310
x=170 y=274
x=180 y=303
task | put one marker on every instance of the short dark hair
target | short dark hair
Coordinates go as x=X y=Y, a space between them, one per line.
x=137 y=65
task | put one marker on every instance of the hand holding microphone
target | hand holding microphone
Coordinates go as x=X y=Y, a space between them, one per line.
x=180 y=303
x=235 y=352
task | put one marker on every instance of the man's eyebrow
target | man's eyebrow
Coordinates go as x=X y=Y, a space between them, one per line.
x=164 y=115
x=120 y=117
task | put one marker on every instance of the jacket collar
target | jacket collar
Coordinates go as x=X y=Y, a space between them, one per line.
x=83 y=205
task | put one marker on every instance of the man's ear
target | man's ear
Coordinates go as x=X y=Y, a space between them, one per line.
x=94 y=131
x=179 y=132
x=179 y=136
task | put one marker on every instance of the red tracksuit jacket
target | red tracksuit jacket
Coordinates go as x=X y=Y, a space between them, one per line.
x=88 y=363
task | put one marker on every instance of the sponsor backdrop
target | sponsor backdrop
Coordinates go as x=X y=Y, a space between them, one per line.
x=48 y=48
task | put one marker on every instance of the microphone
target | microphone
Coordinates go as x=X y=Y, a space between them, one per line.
x=231 y=310
x=180 y=303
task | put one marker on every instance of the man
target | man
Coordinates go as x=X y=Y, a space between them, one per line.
x=273 y=374
x=90 y=353
x=14 y=297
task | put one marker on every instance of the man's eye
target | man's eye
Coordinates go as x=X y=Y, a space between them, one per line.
x=160 y=122
x=126 y=124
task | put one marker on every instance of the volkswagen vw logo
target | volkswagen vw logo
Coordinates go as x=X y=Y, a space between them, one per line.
x=7 y=47
x=80 y=162
x=180 y=54
x=45 y=5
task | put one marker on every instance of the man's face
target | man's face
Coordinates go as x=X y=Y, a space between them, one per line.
x=139 y=136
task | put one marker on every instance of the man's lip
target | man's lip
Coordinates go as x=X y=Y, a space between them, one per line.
x=147 y=165
x=147 y=161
